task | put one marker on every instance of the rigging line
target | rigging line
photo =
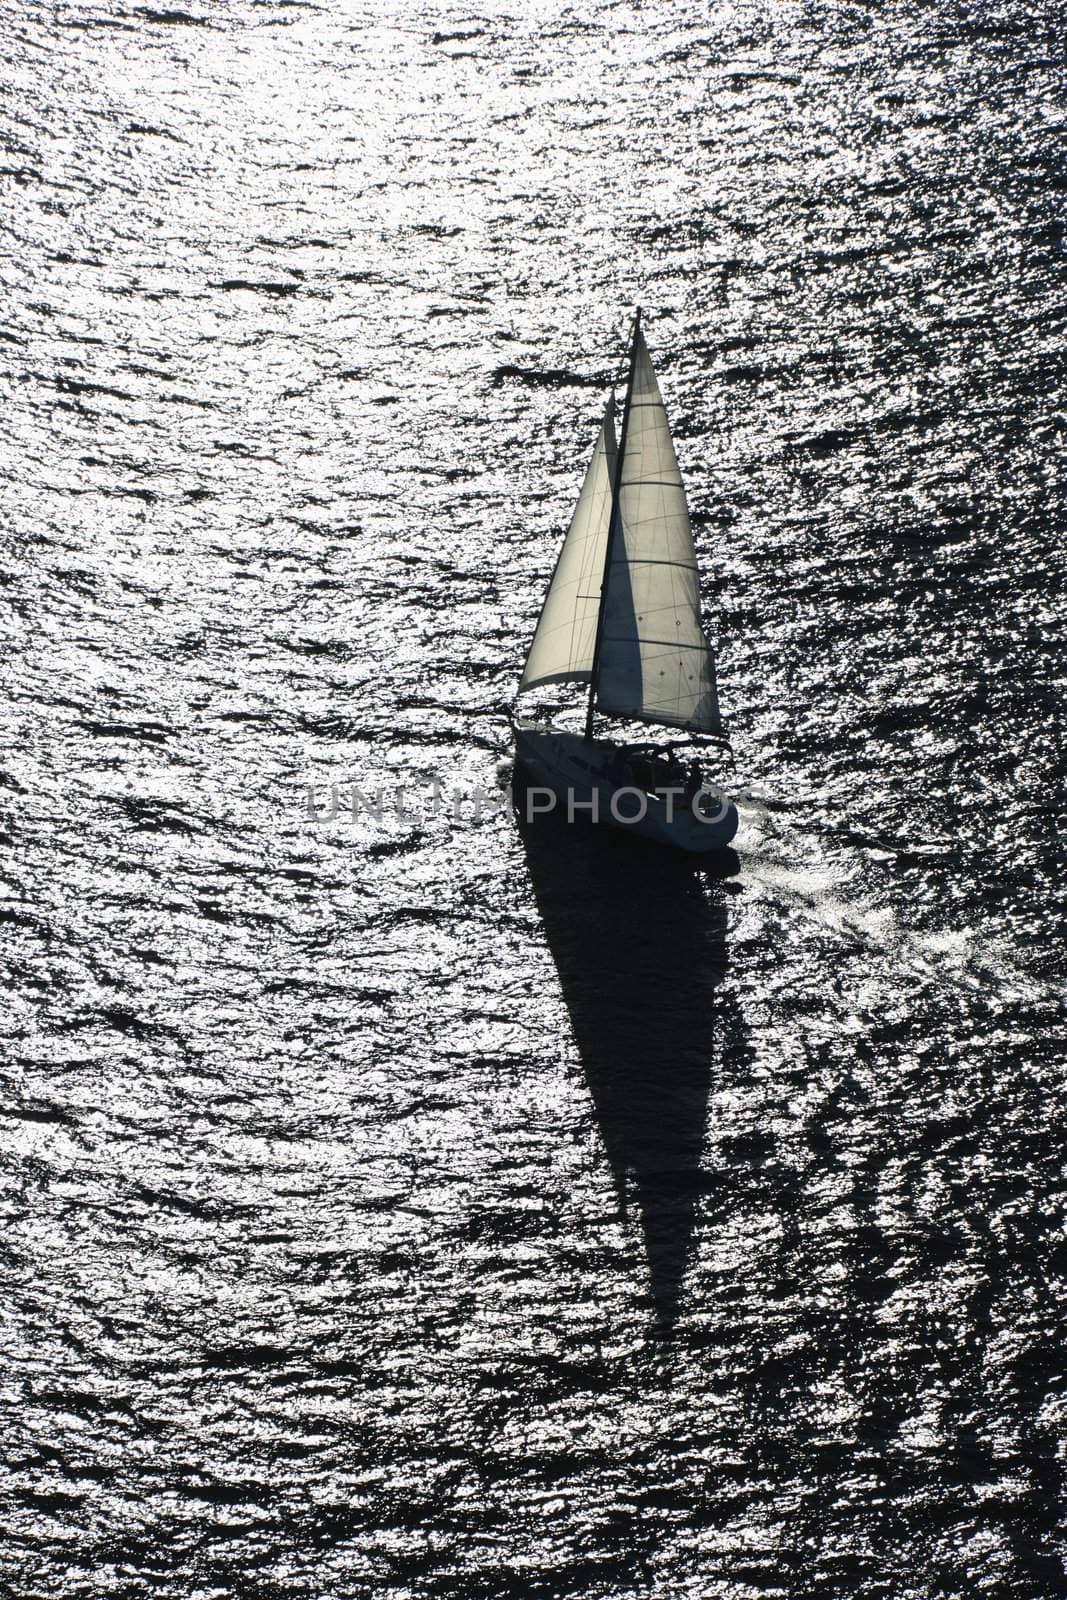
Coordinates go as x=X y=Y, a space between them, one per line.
x=670 y=644
x=653 y=561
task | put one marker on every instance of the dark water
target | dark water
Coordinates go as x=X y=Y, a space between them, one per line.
x=446 y=1208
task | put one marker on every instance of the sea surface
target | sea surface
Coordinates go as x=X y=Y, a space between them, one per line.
x=401 y=1200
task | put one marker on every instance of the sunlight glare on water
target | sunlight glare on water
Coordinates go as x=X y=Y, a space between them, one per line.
x=449 y=1206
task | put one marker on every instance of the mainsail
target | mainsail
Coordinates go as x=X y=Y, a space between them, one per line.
x=622 y=612
x=654 y=663
x=565 y=639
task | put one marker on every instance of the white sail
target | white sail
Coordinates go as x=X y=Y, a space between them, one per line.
x=565 y=637
x=655 y=664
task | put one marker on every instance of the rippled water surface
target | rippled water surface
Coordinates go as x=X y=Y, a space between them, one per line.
x=442 y=1206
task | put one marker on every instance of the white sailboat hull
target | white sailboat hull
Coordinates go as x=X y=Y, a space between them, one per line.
x=577 y=779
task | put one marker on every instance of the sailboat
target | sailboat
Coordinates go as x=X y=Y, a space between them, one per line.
x=622 y=615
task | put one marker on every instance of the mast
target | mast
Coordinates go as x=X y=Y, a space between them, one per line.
x=616 y=484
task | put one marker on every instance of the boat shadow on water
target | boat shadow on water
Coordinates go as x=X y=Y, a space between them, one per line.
x=638 y=937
